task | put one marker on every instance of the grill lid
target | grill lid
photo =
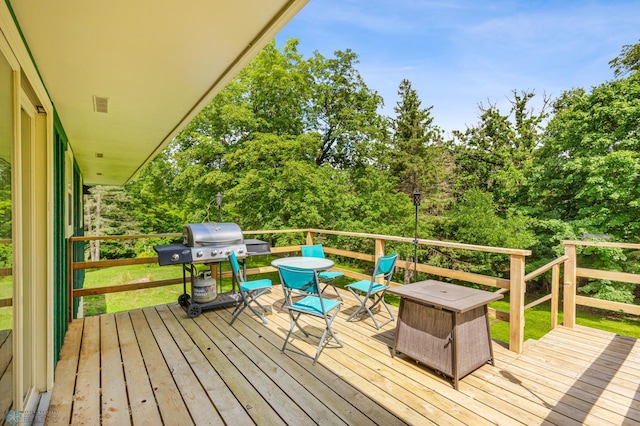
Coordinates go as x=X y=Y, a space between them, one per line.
x=207 y=234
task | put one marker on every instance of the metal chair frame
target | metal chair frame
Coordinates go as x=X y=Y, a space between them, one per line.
x=373 y=291
x=250 y=291
x=325 y=277
x=296 y=280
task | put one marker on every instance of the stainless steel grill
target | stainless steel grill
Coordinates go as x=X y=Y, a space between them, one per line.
x=204 y=243
x=213 y=242
x=208 y=244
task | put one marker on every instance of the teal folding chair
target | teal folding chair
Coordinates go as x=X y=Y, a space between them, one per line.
x=249 y=291
x=326 y=277
x=298 y=280
x=371 y=291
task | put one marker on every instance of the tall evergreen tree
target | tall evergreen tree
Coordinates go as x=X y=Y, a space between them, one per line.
x=418 y=158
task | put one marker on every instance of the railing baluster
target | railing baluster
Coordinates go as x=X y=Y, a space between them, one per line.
x=516 y=303
x=570 y=286
x=555 y=295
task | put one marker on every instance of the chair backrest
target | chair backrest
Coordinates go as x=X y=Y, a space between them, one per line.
x=299 y=279
x=384 y=267
x=314 y=250
x=235 y=268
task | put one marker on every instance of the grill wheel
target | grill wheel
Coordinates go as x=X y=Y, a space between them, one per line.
x=194 y=310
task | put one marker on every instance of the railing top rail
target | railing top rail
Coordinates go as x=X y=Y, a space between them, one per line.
x=498 y=250
x=122 y=237
x=275 y=231
x=601 y=244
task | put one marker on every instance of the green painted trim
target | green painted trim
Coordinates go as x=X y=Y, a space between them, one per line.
x=78 y=230
x=60 y=256
x=57 y=126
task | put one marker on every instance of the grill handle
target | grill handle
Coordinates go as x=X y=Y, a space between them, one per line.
x=234 y=241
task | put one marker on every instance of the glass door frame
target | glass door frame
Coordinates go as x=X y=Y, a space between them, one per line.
x=32 y=231
x=24 y=318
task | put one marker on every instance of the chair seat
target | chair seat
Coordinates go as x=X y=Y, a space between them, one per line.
x=255 y=285
x=364 y=286
x=328 y=275
x=311 y=305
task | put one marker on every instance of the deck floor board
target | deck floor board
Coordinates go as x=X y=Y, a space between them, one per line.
x=177 y=370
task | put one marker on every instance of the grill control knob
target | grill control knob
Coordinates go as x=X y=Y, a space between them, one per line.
x=175 y=257
x=227 y=252
x=240 y=251
x=214 y=252
x=200 y=253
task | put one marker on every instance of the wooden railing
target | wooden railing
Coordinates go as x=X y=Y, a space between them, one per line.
x=572 y=272
x=6 y=272
x=554 y=295
x=515 y=285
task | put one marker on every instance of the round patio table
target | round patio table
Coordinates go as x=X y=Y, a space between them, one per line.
x=313 y=263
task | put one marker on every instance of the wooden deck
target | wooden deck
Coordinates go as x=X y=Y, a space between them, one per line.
x=155 y=366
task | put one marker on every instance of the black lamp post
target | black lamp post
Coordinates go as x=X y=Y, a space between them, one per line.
x=219 y=204
x=416 y=203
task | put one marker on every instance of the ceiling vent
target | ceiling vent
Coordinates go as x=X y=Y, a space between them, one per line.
x=100 y=104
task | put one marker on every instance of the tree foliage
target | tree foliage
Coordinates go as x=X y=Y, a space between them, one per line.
x=343 y=110
x=496 y=154
x=627 y=62
x=589 y=167
x=296 y=142
x=418 y=156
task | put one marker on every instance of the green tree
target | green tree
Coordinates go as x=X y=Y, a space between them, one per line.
x=587 y=174
x=276 y=88
x=278 y=184
x=476 y=220
x=342 y=109
x=496 y=155
x=278 y=93
x=627 y=62
x=418 y=156
x=108 y=211
x=589 y=167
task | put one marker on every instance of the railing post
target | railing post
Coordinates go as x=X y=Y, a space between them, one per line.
x=70 y=277
x=516 y=303
x=569 y=292
x=555 y=295
x=378 y=252
x=379 y=248
x=309 y=238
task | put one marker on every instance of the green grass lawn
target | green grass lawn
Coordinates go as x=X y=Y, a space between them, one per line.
x=538 y=322
x=537 y=319
x=116 y=302
x=124 y=301
x=6 y=313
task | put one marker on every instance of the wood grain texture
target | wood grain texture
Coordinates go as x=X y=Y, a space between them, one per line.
x=569 y=377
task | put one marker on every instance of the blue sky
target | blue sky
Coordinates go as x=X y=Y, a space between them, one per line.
x=459 y=53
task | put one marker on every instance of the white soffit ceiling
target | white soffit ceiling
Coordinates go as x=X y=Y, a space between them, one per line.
x=153 y=65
